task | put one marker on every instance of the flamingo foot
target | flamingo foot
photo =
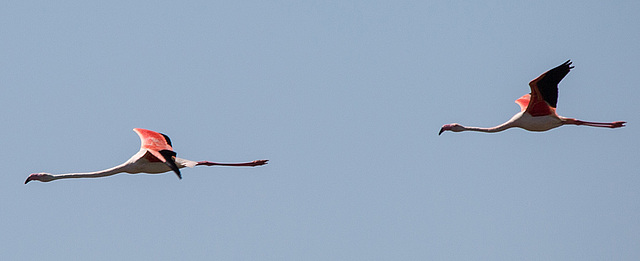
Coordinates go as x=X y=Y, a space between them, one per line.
x=257 y=163
x=618 y=124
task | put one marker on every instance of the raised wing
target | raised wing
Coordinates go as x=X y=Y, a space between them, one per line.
x=544 y=90
x=523 y=101
x=159 y=145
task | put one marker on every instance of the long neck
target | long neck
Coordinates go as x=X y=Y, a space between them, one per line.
x=513 y=122
x=96 y=174
x=498 y=128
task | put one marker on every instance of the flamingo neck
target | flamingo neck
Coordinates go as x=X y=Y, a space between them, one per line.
x=513 y=122
x=498 y=128
x=95 y=174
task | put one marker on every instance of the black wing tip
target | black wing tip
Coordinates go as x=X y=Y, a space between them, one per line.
x=175 y=169
x=166 y=138
x=568 y=63
x=168 y=156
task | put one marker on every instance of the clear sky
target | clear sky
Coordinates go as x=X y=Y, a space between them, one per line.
x=345 y=98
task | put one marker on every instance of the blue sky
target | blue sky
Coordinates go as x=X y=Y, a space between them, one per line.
x=345 y=98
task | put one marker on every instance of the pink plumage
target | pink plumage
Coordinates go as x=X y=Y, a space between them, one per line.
x=155 y=156
x=538 y=108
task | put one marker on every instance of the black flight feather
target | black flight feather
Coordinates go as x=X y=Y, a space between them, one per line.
x=168 y=156
x=166 y=138
x=548 y=84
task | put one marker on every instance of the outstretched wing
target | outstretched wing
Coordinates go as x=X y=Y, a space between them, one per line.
x=159 y=145
x=544 y=90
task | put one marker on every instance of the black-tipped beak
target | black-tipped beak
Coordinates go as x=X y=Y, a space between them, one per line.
x=27 y=181
x=441 y=131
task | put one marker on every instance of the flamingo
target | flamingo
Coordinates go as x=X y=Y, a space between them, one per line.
x=155 y=156
x=538 y=108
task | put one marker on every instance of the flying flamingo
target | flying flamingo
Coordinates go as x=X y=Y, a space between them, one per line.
x=538 y=108
x=155 y=156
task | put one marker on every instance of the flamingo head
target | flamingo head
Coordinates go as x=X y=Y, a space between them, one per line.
x=451 y=127
x=43 y=177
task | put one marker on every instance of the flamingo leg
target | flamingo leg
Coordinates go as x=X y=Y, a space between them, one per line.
x=247 y=164
x=616 y=124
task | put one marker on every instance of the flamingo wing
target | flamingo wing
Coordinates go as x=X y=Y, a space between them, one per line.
x=158 y=145
x=544 y=90
x=524 y=101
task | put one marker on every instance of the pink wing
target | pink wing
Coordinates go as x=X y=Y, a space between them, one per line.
x=152 y=140
x=523 y=101
x=159 y=145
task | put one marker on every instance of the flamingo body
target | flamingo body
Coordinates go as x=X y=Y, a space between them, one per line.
x=529 y=122
x=538 y=108
x=155 y=156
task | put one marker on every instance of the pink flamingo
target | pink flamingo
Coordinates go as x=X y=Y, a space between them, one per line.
x=155 y=156
x=538 y=108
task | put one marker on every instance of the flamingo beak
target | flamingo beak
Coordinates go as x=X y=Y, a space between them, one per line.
x=446 y=127
x=28 y=179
